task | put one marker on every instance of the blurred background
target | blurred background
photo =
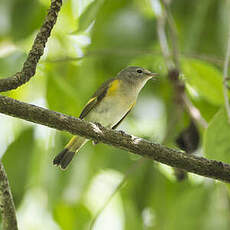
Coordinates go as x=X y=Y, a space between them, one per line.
x=91 y=42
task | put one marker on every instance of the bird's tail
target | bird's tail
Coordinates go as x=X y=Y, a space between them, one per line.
x=66 y=155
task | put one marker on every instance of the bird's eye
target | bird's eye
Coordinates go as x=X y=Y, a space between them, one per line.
x=139 y=71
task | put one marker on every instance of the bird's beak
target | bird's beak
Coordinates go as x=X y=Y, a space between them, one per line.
x=150 y=74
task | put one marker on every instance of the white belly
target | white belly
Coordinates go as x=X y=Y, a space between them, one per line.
x=110 y=110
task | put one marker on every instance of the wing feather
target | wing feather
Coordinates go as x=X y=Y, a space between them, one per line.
x=96 y=98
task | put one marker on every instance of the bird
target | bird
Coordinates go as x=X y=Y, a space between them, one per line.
x=109 y=106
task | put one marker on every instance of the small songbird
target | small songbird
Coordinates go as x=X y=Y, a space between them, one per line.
x=109 y=105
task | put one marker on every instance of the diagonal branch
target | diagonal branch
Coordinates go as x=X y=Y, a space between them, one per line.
x=29 y=67
x=7 y=209
x=198 y=165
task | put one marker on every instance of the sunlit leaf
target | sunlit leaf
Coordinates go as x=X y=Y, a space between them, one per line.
x=17 y=163
x=72 y=216
x=217 y=136
x=89 y=15
x=205 y=78
x=206 y=109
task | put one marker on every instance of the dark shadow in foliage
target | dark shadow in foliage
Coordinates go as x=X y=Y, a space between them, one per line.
x=188 y=140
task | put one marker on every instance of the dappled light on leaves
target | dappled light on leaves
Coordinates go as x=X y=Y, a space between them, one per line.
x=183 y=108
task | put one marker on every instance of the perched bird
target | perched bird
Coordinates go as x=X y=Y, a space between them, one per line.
x=109 y=105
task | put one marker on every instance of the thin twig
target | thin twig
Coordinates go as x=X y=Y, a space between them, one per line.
x=194 y=112
x=174 y=72
x=181 y=101
x=9 y=221
x=219 y=61
x=30 y=65
x=173 y=35
x=119 y=139
x=226 y=79
x=163 y=42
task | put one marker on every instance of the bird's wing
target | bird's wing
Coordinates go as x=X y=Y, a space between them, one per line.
x=96 y=98
x=119 y=122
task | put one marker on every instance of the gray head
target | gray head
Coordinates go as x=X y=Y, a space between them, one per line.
x=135 y=74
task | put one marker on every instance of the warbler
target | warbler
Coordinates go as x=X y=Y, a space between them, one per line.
x=109 y=105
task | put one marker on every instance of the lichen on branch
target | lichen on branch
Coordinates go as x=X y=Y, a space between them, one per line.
x=198 y=165
x=7 y=209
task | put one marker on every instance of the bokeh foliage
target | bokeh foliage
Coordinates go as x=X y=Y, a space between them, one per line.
x=92 y=41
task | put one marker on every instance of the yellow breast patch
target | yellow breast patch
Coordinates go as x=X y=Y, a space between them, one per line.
x=113 y=87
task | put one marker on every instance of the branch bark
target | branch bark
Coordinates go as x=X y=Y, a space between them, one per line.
x=198 y=165
x=9 y=221
x=29 y=67
x=7 y=209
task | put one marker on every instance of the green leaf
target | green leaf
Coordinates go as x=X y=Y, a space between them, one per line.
x=190 y=208
x=17 y=163
x=72 y=216
x=206 y=109
x=217 y=137
x=26 y=17
x=170 y=199
x=205 y=79
x=11 y=64
x=63 y=91
x=165 y=199
x=89 y=15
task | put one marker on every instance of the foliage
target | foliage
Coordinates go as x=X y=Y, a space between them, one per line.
x=92 y=41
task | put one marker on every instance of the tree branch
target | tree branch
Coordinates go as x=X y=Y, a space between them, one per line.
x=9 y=221
x=198 y=165
x=29 y=67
